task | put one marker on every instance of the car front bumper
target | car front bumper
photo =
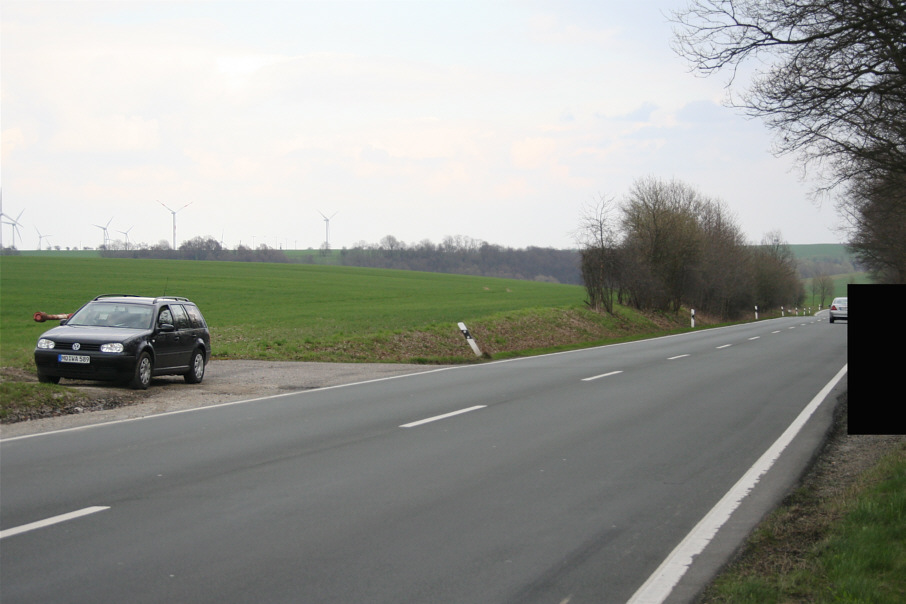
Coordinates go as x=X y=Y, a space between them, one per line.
x=99 y=366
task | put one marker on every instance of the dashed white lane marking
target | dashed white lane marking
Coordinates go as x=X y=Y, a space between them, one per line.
x=53 y=520
x=444 y=416
x=679 y=356
x=603 y=375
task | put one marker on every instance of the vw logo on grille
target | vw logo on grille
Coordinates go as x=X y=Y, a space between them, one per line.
x=76 y=346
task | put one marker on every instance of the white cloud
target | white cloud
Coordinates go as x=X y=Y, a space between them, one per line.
x=106 y=134
x=11 y=139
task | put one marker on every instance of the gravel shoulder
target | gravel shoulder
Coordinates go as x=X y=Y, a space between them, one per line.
x=224 y=382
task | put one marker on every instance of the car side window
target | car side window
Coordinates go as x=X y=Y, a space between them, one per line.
x=165 y=316
x=180 y=318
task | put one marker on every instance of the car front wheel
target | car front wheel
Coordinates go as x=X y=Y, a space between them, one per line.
x=196 y=373
x=143 y=368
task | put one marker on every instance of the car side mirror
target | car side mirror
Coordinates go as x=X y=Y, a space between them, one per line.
x=166 y=327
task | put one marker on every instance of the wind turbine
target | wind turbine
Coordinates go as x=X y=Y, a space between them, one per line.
x=106 y=235
x=2 y=215
x=126 y=233
x=40 y=237
x=174 y=218
x=327 y=229
x=14 y=226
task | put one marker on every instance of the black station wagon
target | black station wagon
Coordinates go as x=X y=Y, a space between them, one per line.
x=128 y=339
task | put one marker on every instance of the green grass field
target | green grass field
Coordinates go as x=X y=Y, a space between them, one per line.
x=258 y=310
x=820 y=250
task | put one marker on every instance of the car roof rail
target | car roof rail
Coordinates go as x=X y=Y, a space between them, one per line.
x=177 y=298
x=118 y=296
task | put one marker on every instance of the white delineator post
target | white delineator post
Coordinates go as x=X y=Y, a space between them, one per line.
x=469 y=339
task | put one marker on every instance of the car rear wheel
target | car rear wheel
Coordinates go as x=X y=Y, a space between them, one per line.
x=143 y=369
x=196 y=373
x=832 y=318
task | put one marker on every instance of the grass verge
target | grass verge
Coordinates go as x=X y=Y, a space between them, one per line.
x=840 y=537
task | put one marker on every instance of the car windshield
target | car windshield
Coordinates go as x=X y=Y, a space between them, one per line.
x=108 y=314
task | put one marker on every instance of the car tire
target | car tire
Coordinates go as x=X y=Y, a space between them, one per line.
x=48 y=379
x=144 y=367
x=832 y=318
x=196 y=372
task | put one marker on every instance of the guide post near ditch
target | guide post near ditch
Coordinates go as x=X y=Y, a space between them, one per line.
x=470 y=339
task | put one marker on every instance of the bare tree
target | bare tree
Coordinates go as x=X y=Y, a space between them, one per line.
x=600 y=256
x=776 y=280
x=389 y=243
x=832 y=84
x=725 y=287
x=662 y=233
x=822 y=288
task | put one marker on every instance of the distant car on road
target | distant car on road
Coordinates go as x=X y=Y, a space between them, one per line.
x=838 y=309
x=127 y=339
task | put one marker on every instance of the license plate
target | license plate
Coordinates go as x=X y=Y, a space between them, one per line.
x=74 y=358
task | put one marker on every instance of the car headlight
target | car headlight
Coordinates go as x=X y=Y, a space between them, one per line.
x=112 y=347
x=45 y=343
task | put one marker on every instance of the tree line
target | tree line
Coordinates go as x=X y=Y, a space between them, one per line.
x=454 y=254
x=667 y=246
x=467 y=256
x=197 y=248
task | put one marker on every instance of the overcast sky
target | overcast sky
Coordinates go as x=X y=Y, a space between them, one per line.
x=496 y=120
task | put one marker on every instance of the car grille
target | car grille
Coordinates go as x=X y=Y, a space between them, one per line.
x=82 y=347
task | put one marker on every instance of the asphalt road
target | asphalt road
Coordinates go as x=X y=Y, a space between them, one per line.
x=562 y=478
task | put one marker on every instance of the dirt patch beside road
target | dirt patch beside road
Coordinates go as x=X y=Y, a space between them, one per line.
x=225 y=381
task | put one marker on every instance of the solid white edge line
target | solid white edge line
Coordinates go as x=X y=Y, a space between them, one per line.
x=53 y=520
x=661 y=583
x=603 y=375
x=444 y=416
